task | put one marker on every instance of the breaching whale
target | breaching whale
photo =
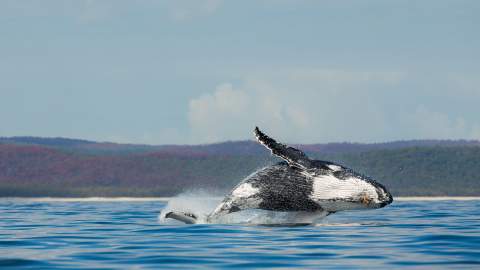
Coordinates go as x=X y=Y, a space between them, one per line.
x=298 y=184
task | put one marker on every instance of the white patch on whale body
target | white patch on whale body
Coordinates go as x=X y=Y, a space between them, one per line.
x=328 y=187
x=334 y=167
x=244 y=190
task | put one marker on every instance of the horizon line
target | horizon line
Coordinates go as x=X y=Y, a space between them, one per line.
x=88 y=141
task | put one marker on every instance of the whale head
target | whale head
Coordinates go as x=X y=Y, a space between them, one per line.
x=339 y=188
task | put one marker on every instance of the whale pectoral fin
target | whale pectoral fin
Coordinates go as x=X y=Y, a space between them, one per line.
x=187 y=218
x=293 y=156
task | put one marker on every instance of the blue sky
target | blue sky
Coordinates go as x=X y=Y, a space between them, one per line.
x=201 y=71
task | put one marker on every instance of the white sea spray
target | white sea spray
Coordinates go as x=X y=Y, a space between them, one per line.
x=198 y=202
x=203 y=202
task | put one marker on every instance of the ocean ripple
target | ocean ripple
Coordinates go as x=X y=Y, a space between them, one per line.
x=79 y=235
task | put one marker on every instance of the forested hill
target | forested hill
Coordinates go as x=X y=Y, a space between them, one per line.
x=32 y=166
x=225 y=148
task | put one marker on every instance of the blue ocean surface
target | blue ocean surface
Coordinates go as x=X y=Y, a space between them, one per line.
x=128 y=235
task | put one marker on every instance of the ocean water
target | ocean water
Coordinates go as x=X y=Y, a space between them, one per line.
x=128 y=235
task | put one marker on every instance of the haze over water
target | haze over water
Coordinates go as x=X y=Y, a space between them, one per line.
x=127 y=234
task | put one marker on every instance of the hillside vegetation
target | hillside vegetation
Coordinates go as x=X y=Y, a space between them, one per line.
x=42 y=167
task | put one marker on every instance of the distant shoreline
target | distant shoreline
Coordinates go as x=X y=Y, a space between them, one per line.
x=165 y=199
x=39 y=168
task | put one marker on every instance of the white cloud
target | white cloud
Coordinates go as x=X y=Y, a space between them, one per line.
x=475 y=132
x=298 y=116
x=465 y=84
x=297 y=107
x=425 y=123
x=312 y=105
x=208 y=111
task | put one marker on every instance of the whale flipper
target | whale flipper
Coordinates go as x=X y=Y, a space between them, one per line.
x=293 y=156
x=187 y=218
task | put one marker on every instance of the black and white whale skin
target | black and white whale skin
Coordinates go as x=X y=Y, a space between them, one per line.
x=298 y=184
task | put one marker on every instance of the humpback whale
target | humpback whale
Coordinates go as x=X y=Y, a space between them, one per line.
x=298 y=184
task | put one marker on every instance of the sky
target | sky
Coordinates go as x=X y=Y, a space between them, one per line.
x=204 y=71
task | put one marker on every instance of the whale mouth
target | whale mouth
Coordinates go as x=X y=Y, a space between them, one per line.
x=386 y=199
x=390 y=198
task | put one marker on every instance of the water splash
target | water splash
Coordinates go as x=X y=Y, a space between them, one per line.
x=198 y=202
x=201 y=203
x=264 y=217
